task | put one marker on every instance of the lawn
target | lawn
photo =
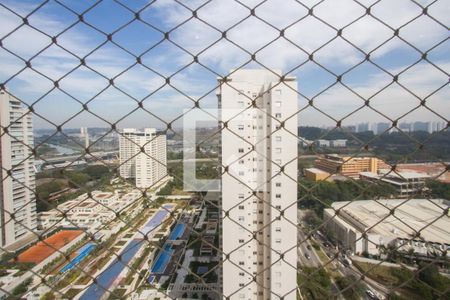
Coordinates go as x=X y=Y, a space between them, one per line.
x=330 y=265
x=71 y=293
x=381 y=274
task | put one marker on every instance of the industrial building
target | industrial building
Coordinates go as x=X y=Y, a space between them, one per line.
x=143 y=156
x=349 y=166
x=365 y=226
x=17 y=174
x=405 y=183
x=259 y=153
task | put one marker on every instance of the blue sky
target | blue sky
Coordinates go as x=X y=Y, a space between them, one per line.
x=221 y=56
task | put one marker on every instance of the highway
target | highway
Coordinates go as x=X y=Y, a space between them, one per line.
x=326 y=246
x=380 y=291
x=314 y=260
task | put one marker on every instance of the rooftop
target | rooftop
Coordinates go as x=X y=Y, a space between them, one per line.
x=426 y=216
x=317 y=171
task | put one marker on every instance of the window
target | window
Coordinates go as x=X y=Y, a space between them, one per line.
x=241 y=206
x=241 y=103
x=241 y=241
x=241 y=150
x=241 y=218
x=278 y=229
x=278 y=138
x=241 y=196
x=241 y=284
x=278 y=184
x=278 y=115
x=278 y=196
x=241 y=173
x=241 y=274
x=241 y=127
x=241 y=161
x=277 y=103
x=241 y=263
x=277 y=92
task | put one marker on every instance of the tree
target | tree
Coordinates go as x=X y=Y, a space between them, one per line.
x=352 y=288
x=96 y=171
x=310 y=217
x=439 y=189
x=77 y=179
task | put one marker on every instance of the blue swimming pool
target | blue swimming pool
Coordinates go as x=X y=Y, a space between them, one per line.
x=82 y=253
x=177 y=231
x=156 y=220
x=163 y=259
x=107 y=277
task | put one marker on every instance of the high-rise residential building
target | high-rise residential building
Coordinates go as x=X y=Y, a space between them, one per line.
x=259 y=189
x=17 y=176
x=437 y=126
x=421 y=126
x=405 y=127
x=363 y=127
x=84 y=135
x=382 y=127
x=143 y=156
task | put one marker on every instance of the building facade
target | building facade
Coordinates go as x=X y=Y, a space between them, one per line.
x=143 y=156
x=259 y=154
x=368 y=226
x=349 y=166
x=17 y=182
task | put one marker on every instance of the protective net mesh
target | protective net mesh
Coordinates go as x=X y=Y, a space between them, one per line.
x=115 y=64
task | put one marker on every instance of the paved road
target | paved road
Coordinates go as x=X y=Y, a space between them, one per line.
x=314 y=260
x=380 y=290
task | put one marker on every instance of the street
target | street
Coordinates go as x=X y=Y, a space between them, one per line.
x=327 y=247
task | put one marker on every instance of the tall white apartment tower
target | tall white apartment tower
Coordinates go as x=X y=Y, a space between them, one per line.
x=147 y=167
x=85 y=135
x=259 y=187
x=17 y=176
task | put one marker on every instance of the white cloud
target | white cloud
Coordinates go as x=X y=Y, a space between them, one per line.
x=252 y=34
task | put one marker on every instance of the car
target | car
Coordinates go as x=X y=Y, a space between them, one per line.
x=308 y=247
x=371 y=294
x=307 y=256
x=347 y=262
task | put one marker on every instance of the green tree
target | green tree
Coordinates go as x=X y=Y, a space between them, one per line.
x=96 y=171
x=353 y=289
x=439 y=189
x=77 y=179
